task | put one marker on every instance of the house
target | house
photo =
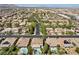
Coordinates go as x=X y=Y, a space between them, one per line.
x=8 y=42
x=53 y=42
x=75 y=41
x=59 y=31
x=6 y=30
x=77 y=31
x=37 y=42
x=23 y=42
x=22 y=24
x=14 y=30
x=50 y=31
x=69 y=42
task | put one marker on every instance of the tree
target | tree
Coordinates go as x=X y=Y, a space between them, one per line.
x=58 y=46
x=73 y=17
x=32 y=27
x=70 y=33
x=9 y=50
x=49 y=51
x=45 y=49
x=77 y=50
x=13 y=50
x=8 y=24
x=30 y=50
x=43 y=29
x=15 y=24
x=60 y=50
x=4 y=51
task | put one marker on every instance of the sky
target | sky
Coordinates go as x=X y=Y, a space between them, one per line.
x=49 y=5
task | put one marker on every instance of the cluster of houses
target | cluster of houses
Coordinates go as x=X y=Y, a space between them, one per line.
x=60 y=25
x=37 y=43
x=16 y=22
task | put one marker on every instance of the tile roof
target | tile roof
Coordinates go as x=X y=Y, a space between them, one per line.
x=23 y=42
x=36 y=42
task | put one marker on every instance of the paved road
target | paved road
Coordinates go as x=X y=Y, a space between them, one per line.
x=37 y=29
x=38 y=36
x=65 y=16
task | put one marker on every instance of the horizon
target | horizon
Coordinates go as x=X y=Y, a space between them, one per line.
x=50 y=5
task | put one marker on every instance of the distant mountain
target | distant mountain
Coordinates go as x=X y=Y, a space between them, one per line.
x=8 y=6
